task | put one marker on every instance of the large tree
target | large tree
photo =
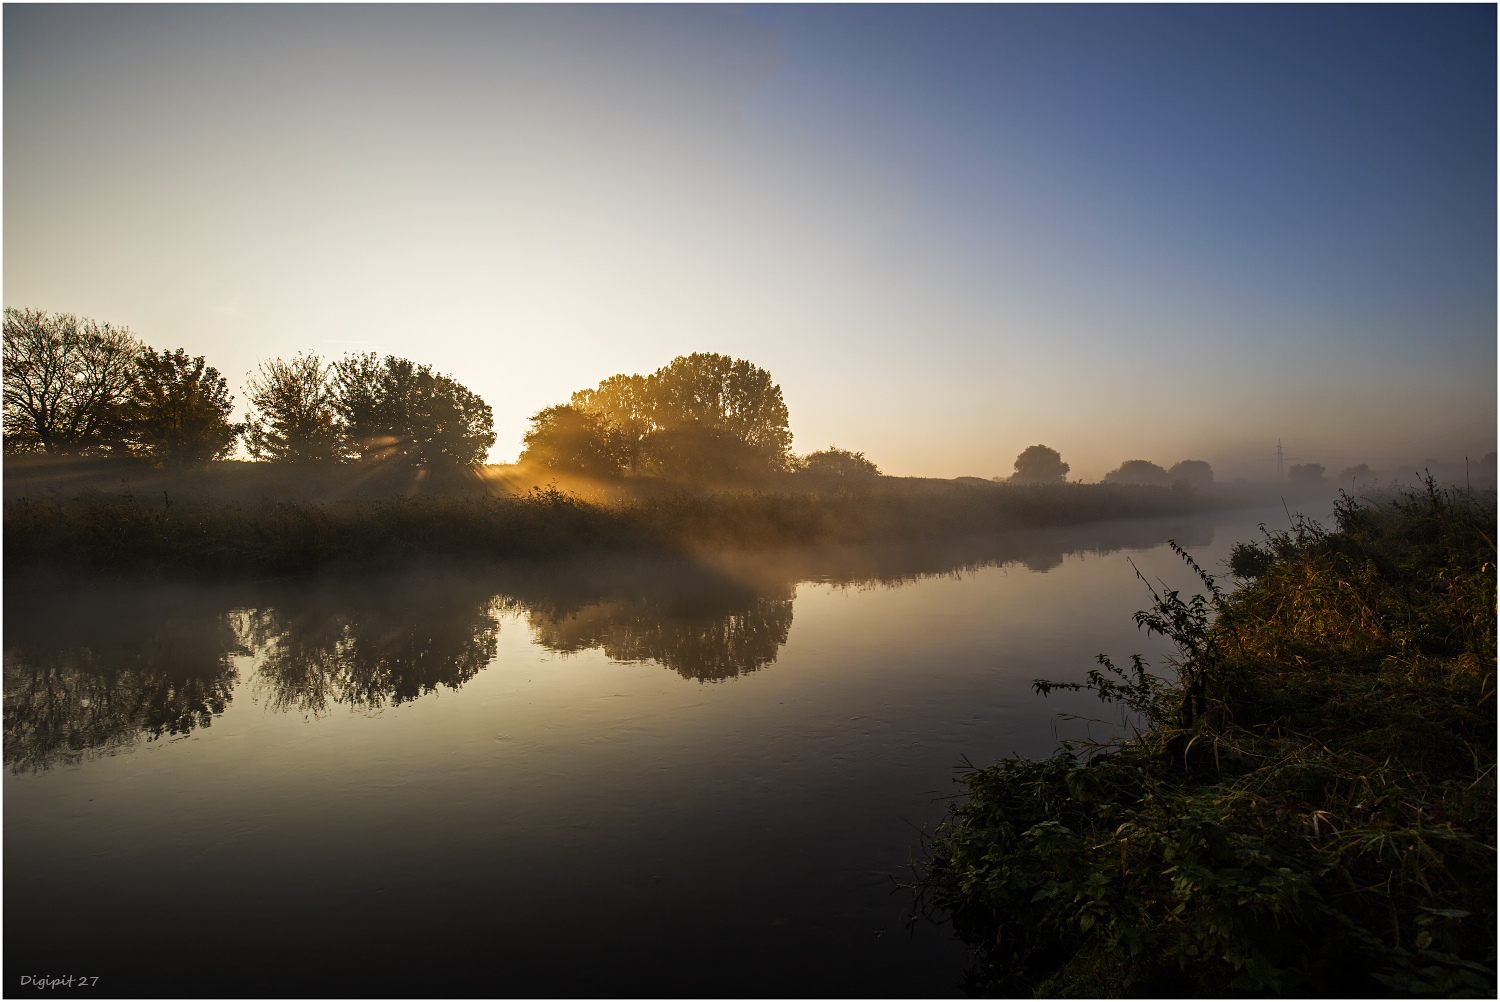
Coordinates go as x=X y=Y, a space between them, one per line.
x=727 y=394
x=64 y=379
x=396 y=409
x=1038 y=464
x=702 y=416
x=1195 y=472
x=178 y=409
x=563 y=437
x=626 y=404
x=1138 y=471
x=292 y=418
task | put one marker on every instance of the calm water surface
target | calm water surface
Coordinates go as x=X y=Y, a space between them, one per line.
x=606 y=778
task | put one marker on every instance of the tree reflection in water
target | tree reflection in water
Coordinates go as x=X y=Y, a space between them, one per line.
x=95 y=669
x=697 y=638
x=379 y=648
x=83 y=679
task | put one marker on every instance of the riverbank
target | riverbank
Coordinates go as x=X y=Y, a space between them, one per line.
x=1310 y=808
x=122 y=532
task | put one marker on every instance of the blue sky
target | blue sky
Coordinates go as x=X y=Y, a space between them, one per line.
x=949 y=231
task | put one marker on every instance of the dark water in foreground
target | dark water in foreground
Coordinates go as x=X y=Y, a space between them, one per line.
x=589 y=779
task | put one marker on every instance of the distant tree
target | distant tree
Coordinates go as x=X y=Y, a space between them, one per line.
x=1354 y=474
x=1195 y=472
x=293 y=418
x=396 y=409
x=63 y=380
x=1138 y=471
x=563 y=437
x=1307 y=473
x=178 y=409
x=1038 y=464
x=834 y=461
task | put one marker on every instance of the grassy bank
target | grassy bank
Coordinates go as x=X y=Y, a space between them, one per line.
x=121 y=532
x=1309 y=808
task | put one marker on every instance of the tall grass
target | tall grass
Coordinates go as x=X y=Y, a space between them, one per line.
x=122 y=533
x=1310 y=808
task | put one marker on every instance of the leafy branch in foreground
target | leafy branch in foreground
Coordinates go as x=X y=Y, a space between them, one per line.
x=1310 y=807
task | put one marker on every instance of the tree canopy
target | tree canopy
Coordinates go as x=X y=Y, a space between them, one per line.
x=1038 y=464
x=177 y=409
x=293 y=418
x=563 y=437
x=837 y=462
x=397 y=409
x=1193 y=471
x=63 y=380
x=1138 y=471
x=700 y=417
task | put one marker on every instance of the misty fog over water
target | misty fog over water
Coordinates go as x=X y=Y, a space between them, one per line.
x=607 y=778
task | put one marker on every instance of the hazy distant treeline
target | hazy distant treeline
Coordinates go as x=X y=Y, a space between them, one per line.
x=1039 y=464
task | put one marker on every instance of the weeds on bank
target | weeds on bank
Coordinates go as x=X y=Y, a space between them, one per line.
x=122 y=533
x=1308 y=809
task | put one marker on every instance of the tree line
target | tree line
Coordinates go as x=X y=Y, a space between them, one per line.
x=1038 y=464
x=79 y=386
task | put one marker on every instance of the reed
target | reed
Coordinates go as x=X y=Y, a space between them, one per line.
x=120 y=532
x=1308 y=808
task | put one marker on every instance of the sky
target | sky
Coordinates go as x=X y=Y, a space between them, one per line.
x=949 y=232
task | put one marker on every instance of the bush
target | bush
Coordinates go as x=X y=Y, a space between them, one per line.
x=1311 y=805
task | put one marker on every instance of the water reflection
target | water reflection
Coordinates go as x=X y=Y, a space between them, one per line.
x=377 y=647
x=83 y=679
x=697 y=637
x=93 y=670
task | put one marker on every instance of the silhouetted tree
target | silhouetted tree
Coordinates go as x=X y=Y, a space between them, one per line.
x=702 y=416
x=64 y=378
x=178 y=409
x=1194 y=472
x=1138 y=471
x=1038 y=464
x=1353 y=474
x=1306 y=473
x=563 y=437
x=293 y=419
x=726 y=394
x=834 y=461
x=396 y=409
x=625 y=404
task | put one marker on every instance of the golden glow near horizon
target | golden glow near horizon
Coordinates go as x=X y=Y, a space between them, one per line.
x=533 y=199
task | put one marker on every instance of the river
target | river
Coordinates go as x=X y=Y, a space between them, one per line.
x=695 y=778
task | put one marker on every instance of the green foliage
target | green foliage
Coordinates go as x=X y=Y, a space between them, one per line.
x=177 y=410
x=293 y=418
x=396 y=409
x=702 y=418
x=1310 y=809
x=563 y=437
